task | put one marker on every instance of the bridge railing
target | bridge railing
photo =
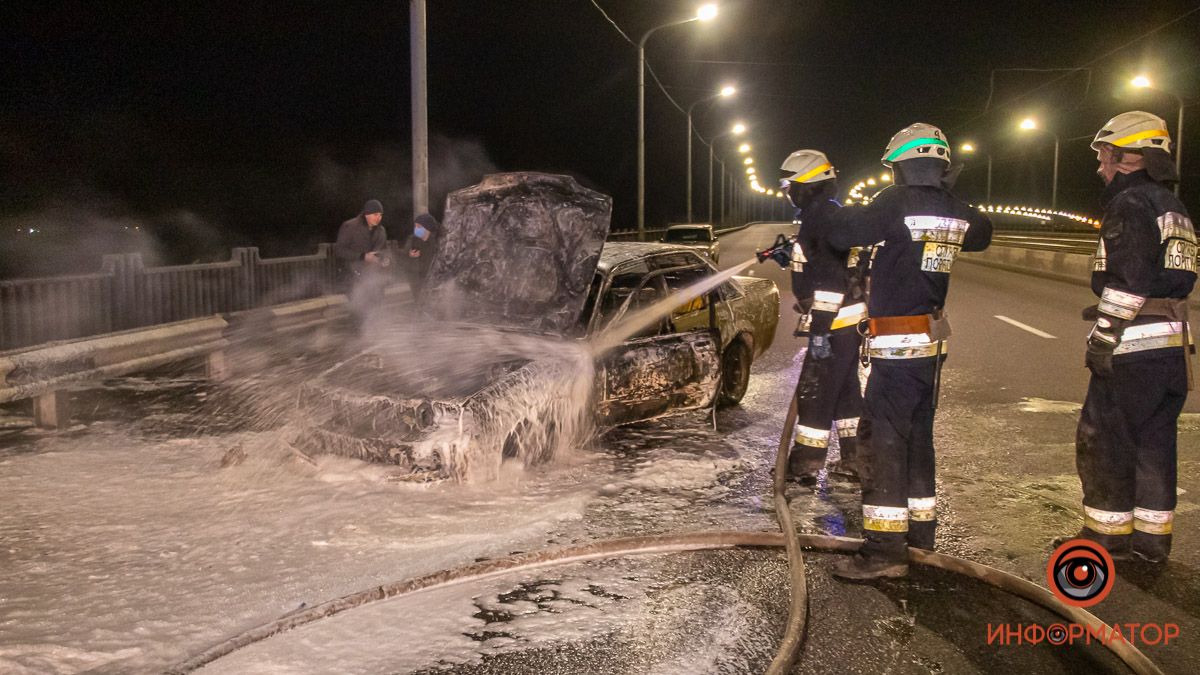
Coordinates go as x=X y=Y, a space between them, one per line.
x=125 y=294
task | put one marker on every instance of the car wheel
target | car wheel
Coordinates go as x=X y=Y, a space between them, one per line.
x=735 y=373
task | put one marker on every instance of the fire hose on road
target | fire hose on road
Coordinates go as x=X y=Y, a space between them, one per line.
x=793 y=638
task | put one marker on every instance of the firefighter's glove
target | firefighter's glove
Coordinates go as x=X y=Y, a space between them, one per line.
x=819 y=346
x=1102 y=341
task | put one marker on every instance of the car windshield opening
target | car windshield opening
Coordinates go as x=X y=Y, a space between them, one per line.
x=688 y=236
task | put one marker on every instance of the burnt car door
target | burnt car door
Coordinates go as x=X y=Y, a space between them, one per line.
x=660 y=369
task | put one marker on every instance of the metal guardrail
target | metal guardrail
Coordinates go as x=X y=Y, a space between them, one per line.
x=45 y=372
x=125 y=294
x=1064 y=242
x=655 y=234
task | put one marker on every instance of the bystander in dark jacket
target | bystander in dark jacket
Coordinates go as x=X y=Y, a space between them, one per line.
x=361 y=242
x=361 y=250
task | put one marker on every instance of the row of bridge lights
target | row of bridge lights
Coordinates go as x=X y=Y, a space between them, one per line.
x=856 y=195
x=1040 y=214
x=856 y=192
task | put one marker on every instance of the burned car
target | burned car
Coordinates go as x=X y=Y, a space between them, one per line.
x=535 y=334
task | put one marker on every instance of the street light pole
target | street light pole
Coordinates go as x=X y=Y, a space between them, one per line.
x=737 y=129
x=1179 y=146
x=1054 y=186
x=1029 y=124
x=1143 y=82
x=705 y=13
x=989 y=179
x=420 y=111
x=711 y=148
x=722 y=218
x=724 y=93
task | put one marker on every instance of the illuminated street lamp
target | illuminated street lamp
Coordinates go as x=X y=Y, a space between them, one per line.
x=969 y=149
x=885 y=177
x=750 y=170
x=726 y=92
x=748 y=161
x=744 y=148
x=737 y=130
x=1030 y=124
x=1143 y=82
x=705 y=13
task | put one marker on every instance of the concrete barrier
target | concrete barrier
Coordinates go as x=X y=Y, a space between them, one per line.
x=1073 y=268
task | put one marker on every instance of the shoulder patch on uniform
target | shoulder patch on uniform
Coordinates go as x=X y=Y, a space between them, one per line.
x=1175 y=225
x=936 y=228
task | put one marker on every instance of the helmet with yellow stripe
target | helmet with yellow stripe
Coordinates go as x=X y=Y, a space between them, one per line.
x=1134 y=130
x=806 y=166
x=917 y=140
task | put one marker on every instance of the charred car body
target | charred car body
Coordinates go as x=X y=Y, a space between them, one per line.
x=524 y=279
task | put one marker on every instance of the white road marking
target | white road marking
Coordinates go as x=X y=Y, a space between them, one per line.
x=1024 y=327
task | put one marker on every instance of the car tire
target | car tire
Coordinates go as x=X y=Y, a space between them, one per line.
x=735 y=373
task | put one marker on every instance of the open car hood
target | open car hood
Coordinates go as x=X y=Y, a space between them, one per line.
x=518 y=249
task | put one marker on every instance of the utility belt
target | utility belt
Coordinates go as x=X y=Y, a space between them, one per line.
x=1173 y=332
x=905 y=337
x=908 y=337
x=1171 y=309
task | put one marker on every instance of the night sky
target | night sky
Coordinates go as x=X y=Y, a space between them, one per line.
x=233 y=123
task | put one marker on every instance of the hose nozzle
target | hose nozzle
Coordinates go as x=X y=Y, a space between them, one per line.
x=780 y=251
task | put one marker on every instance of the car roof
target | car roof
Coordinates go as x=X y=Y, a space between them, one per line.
x=616 y=253
x=691 y=226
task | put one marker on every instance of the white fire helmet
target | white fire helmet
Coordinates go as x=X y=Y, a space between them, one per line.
x=806 y=166
x=1134 y=131
x=917 y=140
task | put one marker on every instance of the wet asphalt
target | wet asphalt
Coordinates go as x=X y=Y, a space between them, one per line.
x=1006 y=486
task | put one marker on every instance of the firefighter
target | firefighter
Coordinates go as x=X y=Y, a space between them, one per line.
x=917 y=227
x=828 y=393
x=1138 y=349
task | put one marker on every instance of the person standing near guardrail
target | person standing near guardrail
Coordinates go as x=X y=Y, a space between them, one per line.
x=1139 y=349
x=827 y=394
x=421 y=245
x=361 y=248
x=918 y=228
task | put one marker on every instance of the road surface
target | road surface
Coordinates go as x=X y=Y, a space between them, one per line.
x=173 y=516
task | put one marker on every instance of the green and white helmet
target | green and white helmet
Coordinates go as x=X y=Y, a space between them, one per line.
x=917 y=140
x=806 y=166
x=1134 y=131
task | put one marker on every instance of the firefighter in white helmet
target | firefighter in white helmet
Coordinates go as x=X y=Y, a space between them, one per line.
x=827 y=288
x=1138 y=349
x=918 y=228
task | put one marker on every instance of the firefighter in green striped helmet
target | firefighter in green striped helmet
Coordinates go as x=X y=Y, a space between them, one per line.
x=919 y=228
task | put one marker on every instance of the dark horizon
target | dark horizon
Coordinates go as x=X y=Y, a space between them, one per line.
x=226 y=124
